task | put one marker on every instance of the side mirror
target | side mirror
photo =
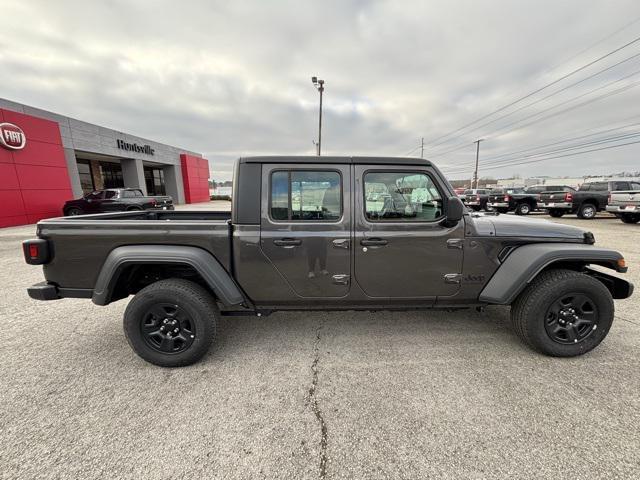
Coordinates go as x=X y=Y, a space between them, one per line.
x=455 y=211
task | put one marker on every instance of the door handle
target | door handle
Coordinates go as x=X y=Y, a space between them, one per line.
x=288 y=242
x=341 y=243
x=373 y=242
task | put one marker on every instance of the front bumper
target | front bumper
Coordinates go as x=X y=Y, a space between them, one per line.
x=556 y=205
x=623 y=208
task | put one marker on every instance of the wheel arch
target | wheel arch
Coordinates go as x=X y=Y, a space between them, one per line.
x=590 y=201
x=527 y=262
x=123 y=260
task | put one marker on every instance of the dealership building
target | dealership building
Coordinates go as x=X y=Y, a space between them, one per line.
x=47 y=158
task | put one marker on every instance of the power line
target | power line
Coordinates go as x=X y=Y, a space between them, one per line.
x=507 y=161
x=535 y=102
x=534 y=147
x=557 y=156
x=411 y=151
x=602 y=40
x=563 y=77
x=614 y=92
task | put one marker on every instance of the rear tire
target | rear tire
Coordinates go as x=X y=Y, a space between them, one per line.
x=587 y=211
x=563 y=313
x=523 y=209
x=171 y=323
x=630 y=218
x=556 y=213
x=502 y=210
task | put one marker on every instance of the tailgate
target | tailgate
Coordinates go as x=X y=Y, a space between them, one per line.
x=627 y=198
x=552 y=197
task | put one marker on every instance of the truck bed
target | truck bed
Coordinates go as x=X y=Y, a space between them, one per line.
x=81 y=244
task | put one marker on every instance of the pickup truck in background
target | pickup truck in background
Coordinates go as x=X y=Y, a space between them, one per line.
x=476 y=198
x=586 y=202
x=557 y=201
x=116 y=200
x=516 y=200
x=626 y=204
x=328 y=233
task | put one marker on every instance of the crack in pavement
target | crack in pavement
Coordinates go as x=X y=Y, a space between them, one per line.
x=313 y=400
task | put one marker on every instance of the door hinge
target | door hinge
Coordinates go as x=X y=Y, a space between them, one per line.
x=341 y=279
x=455 y=243
x=452 y=277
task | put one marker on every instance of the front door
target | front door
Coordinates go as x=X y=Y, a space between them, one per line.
x=401 y=248
x=306 y=227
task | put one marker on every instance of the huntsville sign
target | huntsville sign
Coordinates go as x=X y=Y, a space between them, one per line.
x=134 y=147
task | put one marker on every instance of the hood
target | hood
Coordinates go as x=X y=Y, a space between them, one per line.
x=515 y=226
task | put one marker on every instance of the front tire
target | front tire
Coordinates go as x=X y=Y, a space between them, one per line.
x=563 y=313
x=171 y=323
x=587 y=211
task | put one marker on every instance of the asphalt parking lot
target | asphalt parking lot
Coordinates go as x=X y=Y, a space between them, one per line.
x=400 y=394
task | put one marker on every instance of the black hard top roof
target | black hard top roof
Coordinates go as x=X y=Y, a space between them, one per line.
x=344 y=159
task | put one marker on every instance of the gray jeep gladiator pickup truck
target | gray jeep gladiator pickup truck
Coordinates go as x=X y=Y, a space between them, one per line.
x=330 y=233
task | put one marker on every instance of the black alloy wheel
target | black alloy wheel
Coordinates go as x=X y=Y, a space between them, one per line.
x=563 y=313
x=168 y=328
x=571 y=318
x=172 y=322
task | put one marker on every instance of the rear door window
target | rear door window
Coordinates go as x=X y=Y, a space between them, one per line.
x=298 y=195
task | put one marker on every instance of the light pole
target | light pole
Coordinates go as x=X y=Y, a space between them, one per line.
x=475 y=173
x=319 y=84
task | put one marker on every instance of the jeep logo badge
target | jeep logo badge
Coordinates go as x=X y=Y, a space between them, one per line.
x=12 y=136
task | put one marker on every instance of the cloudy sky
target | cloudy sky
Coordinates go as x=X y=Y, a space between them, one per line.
x=233 y=78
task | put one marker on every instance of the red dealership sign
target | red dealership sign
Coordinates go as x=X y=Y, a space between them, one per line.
x=12 y=136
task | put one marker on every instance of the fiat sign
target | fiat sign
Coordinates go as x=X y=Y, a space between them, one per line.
x=12 y=136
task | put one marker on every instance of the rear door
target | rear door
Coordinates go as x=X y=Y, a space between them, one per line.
x=306 y=227
x=401 y=248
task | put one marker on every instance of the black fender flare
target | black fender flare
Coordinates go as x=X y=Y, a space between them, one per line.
x=216 y=277
x=526 y=262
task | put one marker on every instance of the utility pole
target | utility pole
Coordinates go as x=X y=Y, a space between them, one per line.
x=319 y=84
x=422 y=148
x=475 y=173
